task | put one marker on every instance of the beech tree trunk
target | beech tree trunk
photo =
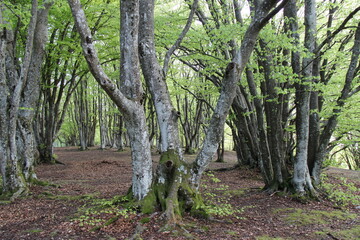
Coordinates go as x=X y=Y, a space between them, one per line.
x=347 y=91
x=128 y=99
x=170 y=182
x=19 y=94
x=175 y=181
x=301 y=179
x=233 y=73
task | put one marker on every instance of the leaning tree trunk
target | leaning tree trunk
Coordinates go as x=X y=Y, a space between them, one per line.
x=128 y=99
x=346 y=92
x=228 y=91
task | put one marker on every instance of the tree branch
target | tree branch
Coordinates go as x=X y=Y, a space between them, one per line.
x=339 y=29
x=180 y=38
x=272 y=13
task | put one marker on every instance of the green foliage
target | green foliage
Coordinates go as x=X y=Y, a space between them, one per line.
x=145 y=220
x=217 y=199
x=38 y=182
x=52 y=196
x=212 y=177
x=341 y=194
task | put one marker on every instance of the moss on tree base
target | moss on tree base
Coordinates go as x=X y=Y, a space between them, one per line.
x=171 y=191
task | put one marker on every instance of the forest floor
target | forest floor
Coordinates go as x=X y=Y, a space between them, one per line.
x=79 y=201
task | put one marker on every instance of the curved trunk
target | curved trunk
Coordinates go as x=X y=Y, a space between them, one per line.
x=128 y=99
x=170 y=182
x=228 y=91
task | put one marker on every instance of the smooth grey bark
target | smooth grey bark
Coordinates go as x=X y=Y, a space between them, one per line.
x=102 y=122
x=301 y=179
x=155 y=76
x=128 y=101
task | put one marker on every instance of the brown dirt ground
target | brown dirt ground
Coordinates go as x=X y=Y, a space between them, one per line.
x=58 y=212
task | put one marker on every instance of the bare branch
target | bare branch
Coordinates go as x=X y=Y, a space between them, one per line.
x=180 y=38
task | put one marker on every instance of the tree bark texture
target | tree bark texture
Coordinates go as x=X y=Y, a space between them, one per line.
x=166 y=114
x=128 y=101
x=301 y=179
x=20 y=92
x=170 y=186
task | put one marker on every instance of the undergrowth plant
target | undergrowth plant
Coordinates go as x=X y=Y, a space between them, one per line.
x=342 y=194
x=217 y=201
x=102 y=212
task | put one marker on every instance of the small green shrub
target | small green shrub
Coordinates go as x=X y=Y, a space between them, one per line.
x=217 y=199
x=145 y=220
x=341 y=194
x=102 y=212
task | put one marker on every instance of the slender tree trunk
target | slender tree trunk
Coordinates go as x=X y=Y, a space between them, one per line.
x=102 y=122
x=301 y=179
x=332 y=121
x=228 y=91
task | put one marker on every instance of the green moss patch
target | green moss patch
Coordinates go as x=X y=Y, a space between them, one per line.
x=36 y=230
x=51 y=196
x=235 y=192
x=97 y=213
x=303 y=217
x=349 y=234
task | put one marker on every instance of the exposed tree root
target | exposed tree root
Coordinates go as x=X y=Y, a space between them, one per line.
x=223 y=169
x=21 y=192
